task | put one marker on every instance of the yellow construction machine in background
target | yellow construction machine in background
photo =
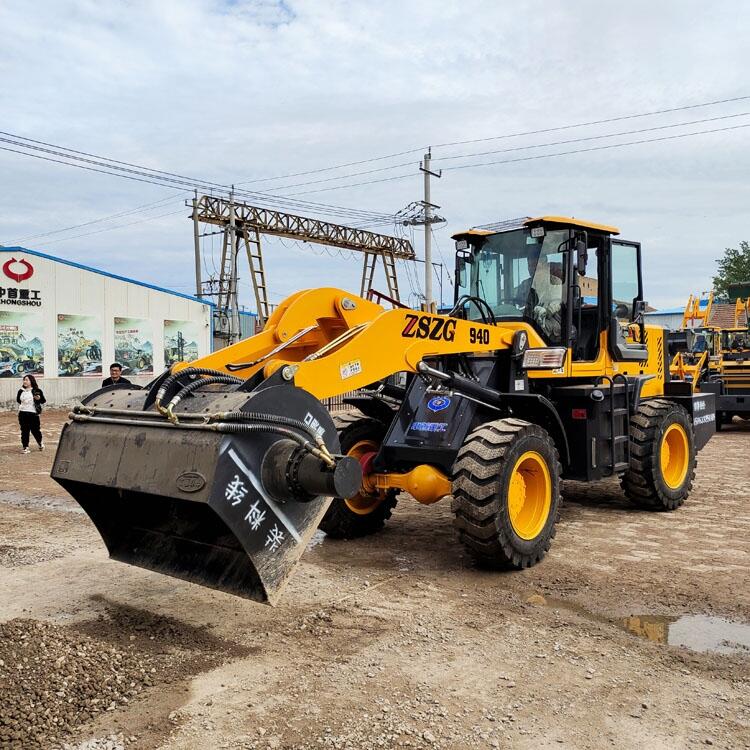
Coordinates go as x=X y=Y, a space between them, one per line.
x=716 y=354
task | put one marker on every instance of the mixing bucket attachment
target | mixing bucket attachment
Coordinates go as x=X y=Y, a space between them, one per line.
x=227 y=504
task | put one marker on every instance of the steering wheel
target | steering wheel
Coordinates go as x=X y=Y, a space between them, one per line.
x=488 y=317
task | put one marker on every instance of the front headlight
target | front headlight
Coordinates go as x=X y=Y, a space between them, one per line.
x=548 y=358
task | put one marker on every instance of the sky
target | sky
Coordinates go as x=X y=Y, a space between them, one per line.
x=237 y=92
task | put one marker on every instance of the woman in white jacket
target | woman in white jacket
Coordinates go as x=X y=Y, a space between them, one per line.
x=30 y=399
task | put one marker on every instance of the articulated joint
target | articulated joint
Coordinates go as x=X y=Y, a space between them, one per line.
x=425 y=483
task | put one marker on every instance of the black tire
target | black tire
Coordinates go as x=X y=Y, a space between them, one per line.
x=340 y=521
x=644 y=482
x=482 y=474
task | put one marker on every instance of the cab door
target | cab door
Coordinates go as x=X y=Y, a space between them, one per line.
x=625 y=300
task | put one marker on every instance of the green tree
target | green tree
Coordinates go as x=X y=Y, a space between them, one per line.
x=734 y=268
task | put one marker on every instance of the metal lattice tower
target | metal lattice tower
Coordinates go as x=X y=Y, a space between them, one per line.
x=243 y=224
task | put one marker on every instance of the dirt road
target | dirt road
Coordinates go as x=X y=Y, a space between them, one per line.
x=392 y=641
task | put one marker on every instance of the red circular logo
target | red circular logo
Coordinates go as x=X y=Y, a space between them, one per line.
x=11 y=270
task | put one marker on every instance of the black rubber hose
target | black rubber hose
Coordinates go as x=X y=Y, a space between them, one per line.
x=199 y=383
x=254 y=416
x=169 y=383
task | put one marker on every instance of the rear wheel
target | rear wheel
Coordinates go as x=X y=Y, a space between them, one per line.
x=364 y=513
x=506 y=493
x=662 y=456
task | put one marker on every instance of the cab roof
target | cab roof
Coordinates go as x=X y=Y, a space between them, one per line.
x=488 y=229
x=573 y=222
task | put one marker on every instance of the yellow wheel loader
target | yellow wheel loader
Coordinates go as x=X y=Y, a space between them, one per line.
x=221 y=470
x=714 y=355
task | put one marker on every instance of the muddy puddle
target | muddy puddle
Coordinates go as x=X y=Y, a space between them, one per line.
x=696 y=632
x=700 y=633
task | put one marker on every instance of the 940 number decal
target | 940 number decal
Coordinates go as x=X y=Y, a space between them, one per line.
x=479 y=336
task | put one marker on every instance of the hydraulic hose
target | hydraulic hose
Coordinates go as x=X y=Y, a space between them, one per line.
x=254 y=416
x=167 y=385
x=194 y=386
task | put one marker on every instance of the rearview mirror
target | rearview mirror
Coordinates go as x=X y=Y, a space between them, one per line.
x=582 y=256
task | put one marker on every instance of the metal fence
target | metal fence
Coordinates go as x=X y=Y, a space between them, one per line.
x=336 y=403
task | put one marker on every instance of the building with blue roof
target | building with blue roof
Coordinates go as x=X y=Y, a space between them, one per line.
x=65 y=323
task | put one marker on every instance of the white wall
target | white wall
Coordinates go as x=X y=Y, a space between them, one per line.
x=69 y=290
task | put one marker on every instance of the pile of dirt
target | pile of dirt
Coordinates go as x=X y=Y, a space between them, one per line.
x=55 y=680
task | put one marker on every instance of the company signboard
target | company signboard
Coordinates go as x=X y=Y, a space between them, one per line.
x=134 y=348
x=79 y=346
x=21 y=344
x=14 y=272
x=180 y=341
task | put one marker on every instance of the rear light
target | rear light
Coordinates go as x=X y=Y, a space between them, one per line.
x=579 y=414
x=544 y=359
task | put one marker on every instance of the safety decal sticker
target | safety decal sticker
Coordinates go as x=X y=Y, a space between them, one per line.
x=350 y=369
x=438 y=403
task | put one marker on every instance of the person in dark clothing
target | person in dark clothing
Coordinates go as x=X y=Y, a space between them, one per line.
x=115 y=376
x=30 y=399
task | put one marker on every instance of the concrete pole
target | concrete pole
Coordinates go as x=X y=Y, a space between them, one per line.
x=427 y=233
x=234 y=311
x=197 y=241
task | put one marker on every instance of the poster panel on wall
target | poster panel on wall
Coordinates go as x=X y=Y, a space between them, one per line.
x=180 y=341
x=21 y=344
x=134 y=349
x=79 y=346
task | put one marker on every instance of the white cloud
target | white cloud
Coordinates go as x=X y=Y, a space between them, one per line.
x=238 y=90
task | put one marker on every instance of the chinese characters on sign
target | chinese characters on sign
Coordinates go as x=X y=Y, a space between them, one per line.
x=255 y=516
x=235 y=492
x=11 y=295
x=274 y=539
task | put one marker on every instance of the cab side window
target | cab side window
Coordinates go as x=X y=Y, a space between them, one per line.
x=625 y=280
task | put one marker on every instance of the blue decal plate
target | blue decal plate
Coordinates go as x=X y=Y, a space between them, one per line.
x=438 y=403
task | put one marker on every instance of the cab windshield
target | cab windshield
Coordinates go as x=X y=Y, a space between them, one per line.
x=519 y=276
x=735 y=340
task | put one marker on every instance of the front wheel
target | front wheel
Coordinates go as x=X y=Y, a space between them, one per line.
x=662 y=456
x=506 y=493
x=363 y=514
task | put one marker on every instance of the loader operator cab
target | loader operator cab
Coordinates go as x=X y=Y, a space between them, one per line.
x=569 y=279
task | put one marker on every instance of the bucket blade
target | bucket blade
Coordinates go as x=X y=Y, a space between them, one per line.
x=191 y=504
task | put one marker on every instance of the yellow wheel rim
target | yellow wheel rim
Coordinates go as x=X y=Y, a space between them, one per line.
x=674 y=456
x=363 y=503
x=529 y=495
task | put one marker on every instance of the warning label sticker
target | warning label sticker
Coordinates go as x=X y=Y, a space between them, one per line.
x=350 y=369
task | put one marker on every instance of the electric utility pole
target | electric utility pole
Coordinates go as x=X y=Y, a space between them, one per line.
x=197 y=243
x=234 y=306
x=425 y=217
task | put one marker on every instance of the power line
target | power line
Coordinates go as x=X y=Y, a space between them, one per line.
x=596 y=122
x=110 y=229
x=599 y=148
x=111 y=167
x=129 y=212
x=537 y=156
x=594 y=137
x=342 y=177
x=330 y=169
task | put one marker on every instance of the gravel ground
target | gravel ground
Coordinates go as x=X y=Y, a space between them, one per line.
x=393 y=641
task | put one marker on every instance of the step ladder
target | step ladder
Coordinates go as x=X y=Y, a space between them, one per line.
x=251 y=237
x=618 y=441
x=368 y=272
